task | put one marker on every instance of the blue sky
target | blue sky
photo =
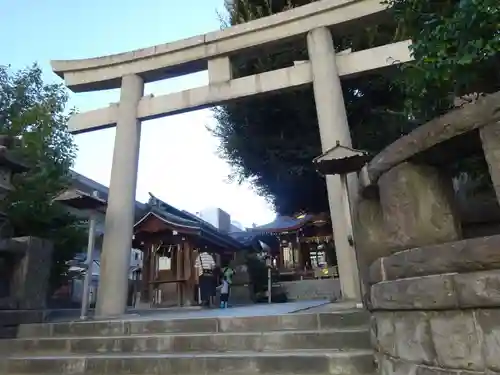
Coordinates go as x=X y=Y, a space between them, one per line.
x=177 y=161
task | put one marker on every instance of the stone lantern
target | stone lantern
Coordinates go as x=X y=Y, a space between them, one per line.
x=93 y=204
x=341 y=161
x=9 y=166
x=11 y=252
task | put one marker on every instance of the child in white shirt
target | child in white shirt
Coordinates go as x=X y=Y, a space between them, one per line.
x=224 y=293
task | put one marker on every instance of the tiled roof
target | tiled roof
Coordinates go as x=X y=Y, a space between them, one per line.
x=162 y=210
x=283 y=224
x=252 y=239
x=183 y=219
x=88 y=185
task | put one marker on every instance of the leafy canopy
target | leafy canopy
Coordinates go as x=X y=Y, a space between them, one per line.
x=34 y=113
x=271 y=141
x=456 y=45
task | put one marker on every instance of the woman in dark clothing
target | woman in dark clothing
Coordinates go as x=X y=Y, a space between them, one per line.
x=205 y=265
x=217 y=277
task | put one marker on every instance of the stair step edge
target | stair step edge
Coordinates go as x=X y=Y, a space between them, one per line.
x=196 y=334
x=251 y=354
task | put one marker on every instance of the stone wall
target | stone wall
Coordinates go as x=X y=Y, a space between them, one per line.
x=28 y=284
x=328 y=289
x=436 y=309
x=434 y=296
x=415 y=207
x=29 y=271
x=11 y=319
x=32 y=273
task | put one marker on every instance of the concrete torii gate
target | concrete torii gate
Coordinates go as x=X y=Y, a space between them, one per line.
x=214 y=51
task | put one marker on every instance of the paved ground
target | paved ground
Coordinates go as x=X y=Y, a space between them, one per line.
x=192 y=313
x=241 y=311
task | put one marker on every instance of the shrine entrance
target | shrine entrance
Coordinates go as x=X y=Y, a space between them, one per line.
x=215 y=52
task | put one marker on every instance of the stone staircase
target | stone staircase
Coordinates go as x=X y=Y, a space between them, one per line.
x=303 y=343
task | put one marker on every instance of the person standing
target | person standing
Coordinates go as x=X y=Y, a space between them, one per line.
x=227 y=277
x=228 y=272
x=205 y=265
x=224 y=292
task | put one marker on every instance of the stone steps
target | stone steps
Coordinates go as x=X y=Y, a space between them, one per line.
x=336 y=343
x=338 y=339
x=267 y=323
x=314 y=362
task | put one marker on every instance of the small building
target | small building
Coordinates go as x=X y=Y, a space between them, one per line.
x=167 y=241
x=217 y=217
x=302 y=250
x=78 y=266
x=171 y=240
x=72 y=295
x=302 y=247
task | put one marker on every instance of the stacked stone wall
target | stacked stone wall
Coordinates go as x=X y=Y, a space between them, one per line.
x=436 y=309
x=302 y=290
x=434 y=296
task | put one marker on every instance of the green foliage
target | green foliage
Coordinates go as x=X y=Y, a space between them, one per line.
x=456 y=45
x=271 y=141
x=33 y=112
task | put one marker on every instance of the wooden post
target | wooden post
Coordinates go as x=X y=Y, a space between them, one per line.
x=151 y=273
x=196 y=275
x=269 y=283
x=190 y=272
x=178 y=272
x=145 y=274
x=300 y=260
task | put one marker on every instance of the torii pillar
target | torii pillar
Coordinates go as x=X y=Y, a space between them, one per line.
x=119 y=222
x=334 y=129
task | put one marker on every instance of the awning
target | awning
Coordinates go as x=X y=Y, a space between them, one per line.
x=81 y=200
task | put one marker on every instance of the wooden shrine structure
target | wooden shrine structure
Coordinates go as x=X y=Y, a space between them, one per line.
x=302 y=246
x=171 y=240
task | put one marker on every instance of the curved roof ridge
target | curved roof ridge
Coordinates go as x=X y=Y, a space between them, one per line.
x=283 y=223
x=181 y=218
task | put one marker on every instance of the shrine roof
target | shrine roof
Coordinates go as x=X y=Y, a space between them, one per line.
x=88 y=186
x=248 y=239
x=284 y=224
x=176 y=222
x=184 y=221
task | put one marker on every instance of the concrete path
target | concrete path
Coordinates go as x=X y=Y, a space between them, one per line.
x=241 y=311
x=192 y=313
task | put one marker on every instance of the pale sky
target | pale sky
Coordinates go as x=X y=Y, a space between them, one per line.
x=177 y=160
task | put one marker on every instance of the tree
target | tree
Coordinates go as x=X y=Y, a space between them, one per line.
x=272 y=141
x=34 y=113
x=456 y=45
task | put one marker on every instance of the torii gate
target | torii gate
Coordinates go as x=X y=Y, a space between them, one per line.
x=214 y=51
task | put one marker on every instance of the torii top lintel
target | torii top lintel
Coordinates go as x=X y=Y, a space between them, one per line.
x=200 y=52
